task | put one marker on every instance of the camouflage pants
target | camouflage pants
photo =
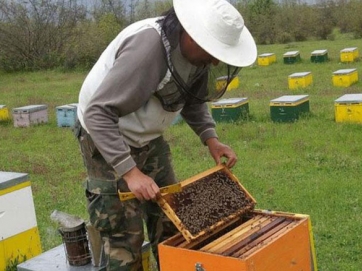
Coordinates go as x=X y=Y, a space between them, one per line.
x=121 y=224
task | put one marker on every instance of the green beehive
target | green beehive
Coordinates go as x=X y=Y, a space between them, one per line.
x=291 y=57
x=319 y=56
x=230 y=110
x=289 y=108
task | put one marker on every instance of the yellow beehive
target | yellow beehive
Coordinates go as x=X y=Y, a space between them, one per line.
x=266 y=59
x=349 y=54
x=221 y=82
x=300 y=80
x=348 y=108
x=345 y=77
x=19 y=235
x=4 y=113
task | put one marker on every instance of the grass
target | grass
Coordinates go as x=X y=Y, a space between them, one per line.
x=312 y=166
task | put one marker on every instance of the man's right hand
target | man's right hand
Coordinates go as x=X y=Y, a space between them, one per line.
x=141 y=185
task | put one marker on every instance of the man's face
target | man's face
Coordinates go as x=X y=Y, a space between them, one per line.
x=194 y=53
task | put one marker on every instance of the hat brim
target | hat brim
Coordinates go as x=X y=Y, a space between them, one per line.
x=242 y=54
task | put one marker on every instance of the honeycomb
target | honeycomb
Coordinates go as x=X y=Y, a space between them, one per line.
x=209 y=200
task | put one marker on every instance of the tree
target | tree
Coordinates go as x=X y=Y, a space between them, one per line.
x=35 y=34
x=261 y=20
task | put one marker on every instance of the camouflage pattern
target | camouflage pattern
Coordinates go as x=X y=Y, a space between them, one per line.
x=121 y=224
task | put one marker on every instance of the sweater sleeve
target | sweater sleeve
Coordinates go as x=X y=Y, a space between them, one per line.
x=137 y=70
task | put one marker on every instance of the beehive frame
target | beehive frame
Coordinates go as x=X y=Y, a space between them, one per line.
x=167 y=204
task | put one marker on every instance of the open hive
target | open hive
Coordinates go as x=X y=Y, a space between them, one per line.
x=221 y=230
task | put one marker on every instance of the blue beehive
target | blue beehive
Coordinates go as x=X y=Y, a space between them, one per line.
x=66 y=115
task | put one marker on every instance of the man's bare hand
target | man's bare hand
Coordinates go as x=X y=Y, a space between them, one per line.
x=219 y=150
x=142 y=186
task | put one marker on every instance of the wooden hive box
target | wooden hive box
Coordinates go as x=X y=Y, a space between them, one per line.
x=289 y=108
x=4 y=113
x=266 y=59
x=291 y=57
x=230 y=109
x=221 y=230
x=319 y=56
x=222 y=81
x=300 y=80
x=30 y=115
x=349 y=54
x=66 y=115
x=19 y=234
x=345 y=77
x=348 y=108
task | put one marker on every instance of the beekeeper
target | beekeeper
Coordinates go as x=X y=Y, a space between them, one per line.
x=152 y=71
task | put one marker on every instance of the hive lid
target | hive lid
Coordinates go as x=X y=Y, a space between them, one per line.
x=229 y=101
x=30 y=108
x=290 y=99
x=356 y=98
x=208 y=202
x=66 y=106
x=349 y=49
x=291 y=53
x=319 y=52
x=266 y=54
x=299 y=74
x=344 y=71
x=9 y=179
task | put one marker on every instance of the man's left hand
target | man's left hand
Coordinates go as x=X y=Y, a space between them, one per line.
x=219 y=150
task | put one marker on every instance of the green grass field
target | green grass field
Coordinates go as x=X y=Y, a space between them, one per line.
x=312 y=166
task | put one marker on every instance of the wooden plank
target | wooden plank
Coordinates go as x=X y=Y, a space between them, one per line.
x=290 y=251
x=242 y=234
x=253 y=236
x=262 y=238
x=195 y=243
x=175 y=240
x=231 y=233
x=268 y=240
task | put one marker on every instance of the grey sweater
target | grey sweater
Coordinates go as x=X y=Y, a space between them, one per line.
x=117 y=102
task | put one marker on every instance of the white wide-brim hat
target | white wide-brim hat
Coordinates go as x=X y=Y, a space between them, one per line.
x=218 y=28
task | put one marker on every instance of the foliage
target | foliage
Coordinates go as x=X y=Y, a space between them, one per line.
x=38 y=35
x=35 y=34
